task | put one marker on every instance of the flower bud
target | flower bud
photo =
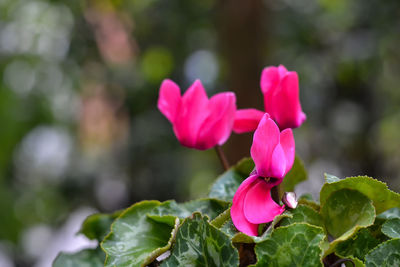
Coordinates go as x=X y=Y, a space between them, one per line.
x=289 y=199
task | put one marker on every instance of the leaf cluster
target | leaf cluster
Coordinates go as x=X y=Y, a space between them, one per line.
x=357 y=222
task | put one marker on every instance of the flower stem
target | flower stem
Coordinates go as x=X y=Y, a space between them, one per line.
x=277 y=193
x=222 y=218
x=222 y=157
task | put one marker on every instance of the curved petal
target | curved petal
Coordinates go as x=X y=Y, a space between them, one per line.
x=237 y=215
x=269 y=79
x=192 y=113
x=269 y=83
x=301 y=118
x=259 y=207
x=288 y=145
x=282 y=71
x=265 y=139
x=247 y=120
x=169 y=99
x=287 y=109
x=217 y=127
x=278 y=163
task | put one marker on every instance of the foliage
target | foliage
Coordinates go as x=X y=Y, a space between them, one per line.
x=200 y=232
x=57 y=55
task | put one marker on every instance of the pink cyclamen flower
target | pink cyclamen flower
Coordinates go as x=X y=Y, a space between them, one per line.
x=281 y=100
x=273 y=154
x=198 y=122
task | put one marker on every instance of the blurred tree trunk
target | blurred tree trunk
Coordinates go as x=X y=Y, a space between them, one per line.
x=242 y=40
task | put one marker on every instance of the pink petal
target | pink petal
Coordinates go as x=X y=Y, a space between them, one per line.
x=169 y=99
x=265 y=139
x=217 y=127
x=192 y=113
x=288 y=145
x=269 y=79
x=237 y=215
x=278 y=163
x=282 y=71
x=259 y=207
x=247 y=120
x=301 y=118
x=286 y=103
x=269 y=83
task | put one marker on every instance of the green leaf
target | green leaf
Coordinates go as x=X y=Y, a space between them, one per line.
x=298 y=244
x=344 y=213
x=146 y=230
x=135 y=237
x=303 y=214
x=329 y=178
x=383 y=198
x=238 y=237
x=296 y=175
x=97 y=226
x=389 y=214
x=198 y=243
x=391 y=228
x=346 y=210
x=206 y=206
x=306 y=196
x=228 y=228
x=221 y=219
x=385 y=255
x=226 y=185
x=307 y=200
x=358 y=245
x=83 y=258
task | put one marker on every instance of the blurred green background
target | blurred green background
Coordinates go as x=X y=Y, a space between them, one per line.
x=80 y=131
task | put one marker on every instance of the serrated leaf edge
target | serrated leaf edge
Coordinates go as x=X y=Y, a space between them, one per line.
x=353 y=230
x=383 y=227
x=157 y=252
x=355 y=178
x=381 y=244
x=120 y=216
x=193 y=217
x=320 y=245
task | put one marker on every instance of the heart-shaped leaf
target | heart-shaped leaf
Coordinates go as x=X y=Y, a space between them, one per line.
x=345 y=210
x=198 y=243
x=206 y=206
x=383 y=198
x=391 y=228
x=307 y=200
x=298 y=244
x=134 y=236
x=87 y=258
x=358 y=245
x=97 y=226
x=390 y=214
x=305 y=214
x=146 y=230
x=385 y=255
x=226 y=185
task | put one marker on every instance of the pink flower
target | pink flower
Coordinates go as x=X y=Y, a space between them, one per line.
x=253 y=205
x=198 y=122
x=273 y=154
x=281 y=96
x=281 y=100
x=246 y=119
x=272 y=151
